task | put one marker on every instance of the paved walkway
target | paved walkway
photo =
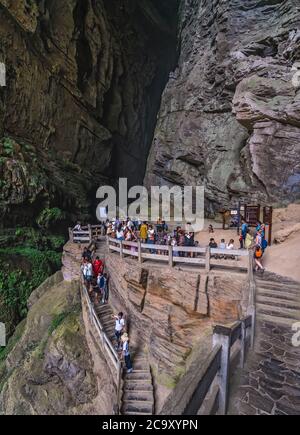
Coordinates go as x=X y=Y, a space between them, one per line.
x=270 y=383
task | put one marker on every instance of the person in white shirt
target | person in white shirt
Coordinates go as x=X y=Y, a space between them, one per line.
x=119 y=327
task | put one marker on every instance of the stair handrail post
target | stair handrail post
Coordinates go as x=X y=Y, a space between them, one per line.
x=243 y=344
x=121 y=249
x=250 y=266
x=207 y=259
x=140 y=251
x=71 y=235
x=222 y=337
x=171 y=262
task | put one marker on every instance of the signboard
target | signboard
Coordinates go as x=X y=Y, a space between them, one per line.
x=252 y=214
x=268 y=214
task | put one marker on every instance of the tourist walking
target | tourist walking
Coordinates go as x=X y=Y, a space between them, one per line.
x=144 y=232
x=105 y=289
x=258 y=254
x=126 y=352
x=119 y=328
x=244 y=233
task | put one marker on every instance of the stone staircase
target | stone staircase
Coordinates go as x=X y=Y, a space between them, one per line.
x=270 y=382
x=105 y=314
x=138 y=395
x=278 y=301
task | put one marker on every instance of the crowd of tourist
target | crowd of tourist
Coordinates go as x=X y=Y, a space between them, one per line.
x=97 y=281
x=97 y=284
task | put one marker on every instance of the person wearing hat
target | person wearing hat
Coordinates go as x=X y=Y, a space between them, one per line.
x=126 y=352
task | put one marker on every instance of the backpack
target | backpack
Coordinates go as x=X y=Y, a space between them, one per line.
x=264 y=244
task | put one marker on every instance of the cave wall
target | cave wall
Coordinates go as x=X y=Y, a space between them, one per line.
x=229 y=117
x=84 y=82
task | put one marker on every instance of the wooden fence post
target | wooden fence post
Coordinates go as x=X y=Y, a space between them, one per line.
x=171 y=263
x=71 y=236
x=207 y=260
x=222 y=337
x=250 y=265
x=90 y=232
x=140 y=251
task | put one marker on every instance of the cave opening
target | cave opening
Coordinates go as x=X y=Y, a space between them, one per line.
x=148 y=53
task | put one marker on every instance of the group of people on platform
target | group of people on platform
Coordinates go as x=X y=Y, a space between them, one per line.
x=97 y=284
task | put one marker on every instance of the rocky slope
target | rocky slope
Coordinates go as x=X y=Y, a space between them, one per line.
x=84 y=81
x=230 y=116
x=47 y=367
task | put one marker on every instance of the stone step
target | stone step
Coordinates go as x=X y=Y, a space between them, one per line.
x=278 y=311
x=138 y=407
x=294 y=288
x=139 y=376
x=138 y=385
x=278 y=295
x=138 y=413
x=106 y=317
x=275 y=320
x=140 y=365
x=138 y=395
x=276 y=302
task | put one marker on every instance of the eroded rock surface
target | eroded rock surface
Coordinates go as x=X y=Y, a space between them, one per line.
x=84 y=81
x=230 y=116
x=49 y=369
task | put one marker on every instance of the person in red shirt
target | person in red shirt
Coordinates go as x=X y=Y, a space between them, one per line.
x=98 y=266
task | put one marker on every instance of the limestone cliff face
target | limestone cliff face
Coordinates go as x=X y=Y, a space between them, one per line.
x=171 y=312
x=230 y=116
x=84 y=81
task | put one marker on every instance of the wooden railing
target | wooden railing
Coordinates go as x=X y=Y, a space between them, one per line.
x=177 y=255
x=204 y=390
x=109 y=352
x=86 y=235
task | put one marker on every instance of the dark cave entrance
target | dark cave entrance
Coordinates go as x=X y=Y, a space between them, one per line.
x=149 y=53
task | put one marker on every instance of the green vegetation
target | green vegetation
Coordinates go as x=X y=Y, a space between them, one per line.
x=17 y=284
x=27 y=258
x=50 y=216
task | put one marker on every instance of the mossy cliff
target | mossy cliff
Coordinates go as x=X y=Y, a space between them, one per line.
x=47 y=367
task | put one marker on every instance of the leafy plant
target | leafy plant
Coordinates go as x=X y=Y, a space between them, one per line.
x=50 y=216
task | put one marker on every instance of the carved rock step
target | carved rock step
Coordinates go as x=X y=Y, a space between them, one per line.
x=139 y=375
x=286 y=313
x=281 y=295
x=280 y=321
x=138 y=395
x=276 y=302
x=287 y=288
x=137 y=407
x=138 y=385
